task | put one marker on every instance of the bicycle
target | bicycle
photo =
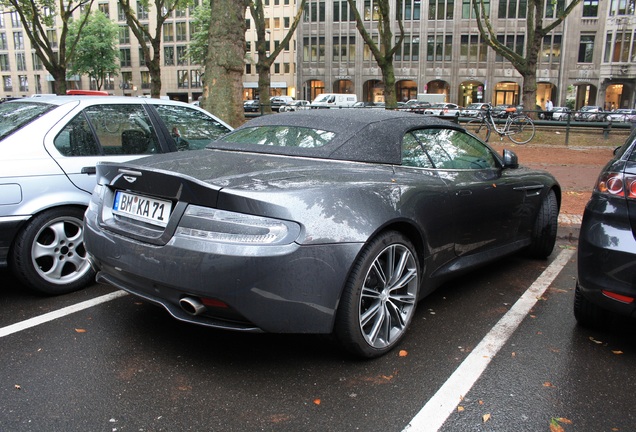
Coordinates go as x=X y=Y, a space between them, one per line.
x=519 y=128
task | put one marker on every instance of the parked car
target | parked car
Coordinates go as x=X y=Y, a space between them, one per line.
x=296 y=105
x=252 y=105
x=48 y=150
x=590 y=113
x=622 y=115
x=561 y=113
x=607 y=244
x=319 y=221
x=361 y=104
x=277 y=102
x=443 y=110
x=473 y=110
x=413 y=105
x=505 y=110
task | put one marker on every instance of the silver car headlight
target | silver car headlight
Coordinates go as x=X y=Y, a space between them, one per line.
x=215 y=225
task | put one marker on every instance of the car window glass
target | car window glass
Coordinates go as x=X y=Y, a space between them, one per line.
x=413 y=153
x=454 y=149
x=77 y=139
x=191 y=129
x=281 y=136
x=123 y=129
x=13 y=116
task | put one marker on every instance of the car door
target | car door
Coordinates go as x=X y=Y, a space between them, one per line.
x=114 y=132
x=487 y=201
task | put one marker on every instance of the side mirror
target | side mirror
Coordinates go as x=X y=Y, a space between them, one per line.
x=510 y=159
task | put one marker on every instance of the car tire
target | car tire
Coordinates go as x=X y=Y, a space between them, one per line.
x=380 y=297
x=544 y=232
x=588 y=314
x=49 y=255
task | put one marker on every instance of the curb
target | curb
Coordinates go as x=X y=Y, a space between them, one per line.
x=569 y=227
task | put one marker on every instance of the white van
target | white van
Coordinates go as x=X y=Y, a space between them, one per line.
x=334 y=100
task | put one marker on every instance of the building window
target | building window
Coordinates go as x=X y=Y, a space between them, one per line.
x=3 y=42
x=1 y=20
x=121 y=15
x=124 y=34
x=441 y=9
x=617 y=47
x=182 y=32
x=142 y=12
x=314 y=49
x=37 y=62
x=551 y=49
x=439 y=48
x=467 y=9
x=622 y=7
x=182 y=79
x=371 y=11
x=145 y=79
x=124 y=57
x=586 y=49
x=168 y=32
x=168 y=56
x=4 y=63
x=18 y=40
x=286 y=68
x=411 y=9
x=248 y=69
x=182 y=55
x=24 y=83
x=590 y=8
x=276 y=68
x=554 y=8
x=512 y=42
x=142 y=58
x=15 y=20
x=103 y=7
x=513 y=8
x=51 y=35
x=180 y=13
x=109 y=82
x=195 y=79
x=20 y=61
x=126 y=80
x=286 y=22
x=409 y=50
x=7 y=83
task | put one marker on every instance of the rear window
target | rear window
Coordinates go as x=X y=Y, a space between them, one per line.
x=281 y=136
x=13 y=116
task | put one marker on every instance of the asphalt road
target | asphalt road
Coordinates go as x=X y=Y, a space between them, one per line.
x=483 y=354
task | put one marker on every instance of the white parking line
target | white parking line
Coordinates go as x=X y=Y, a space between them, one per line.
x=32 y=322
x=433 y=415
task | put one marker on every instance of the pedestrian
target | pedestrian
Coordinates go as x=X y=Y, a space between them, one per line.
x=548 y=109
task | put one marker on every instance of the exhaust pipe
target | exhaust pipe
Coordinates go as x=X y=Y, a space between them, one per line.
x=192 y=306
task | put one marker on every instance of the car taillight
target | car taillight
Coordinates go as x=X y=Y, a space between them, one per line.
x=617 y=184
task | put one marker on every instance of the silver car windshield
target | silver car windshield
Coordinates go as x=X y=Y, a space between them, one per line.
x=15 y=115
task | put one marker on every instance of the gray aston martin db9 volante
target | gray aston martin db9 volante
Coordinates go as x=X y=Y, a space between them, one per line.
x=320 y=221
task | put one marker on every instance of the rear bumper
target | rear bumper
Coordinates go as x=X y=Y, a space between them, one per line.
x=607 y=257
x=9 y=228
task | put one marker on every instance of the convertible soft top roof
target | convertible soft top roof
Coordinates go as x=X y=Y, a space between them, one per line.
x=361 y=135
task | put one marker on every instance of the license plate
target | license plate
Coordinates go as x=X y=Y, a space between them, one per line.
x=146 y=209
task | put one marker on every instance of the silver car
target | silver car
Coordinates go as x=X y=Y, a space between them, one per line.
x=49 y=147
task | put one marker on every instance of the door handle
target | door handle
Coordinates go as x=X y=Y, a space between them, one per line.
x=89 y=170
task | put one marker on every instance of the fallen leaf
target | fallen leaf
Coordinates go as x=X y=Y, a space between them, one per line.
x=403 y=353
x=17 y=387
x=481 y=402
x=485 y=417
x=317 y=401
x=460 y=409
x=617 y=352
x=514 y=354
x=80 y=330
x=595 y=341
x=555 y=424
x=548 y=384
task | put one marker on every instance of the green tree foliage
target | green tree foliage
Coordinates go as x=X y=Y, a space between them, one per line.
x=198 y=47
x=383 y=49
x=535 y=31
x=150 y=42
x=96 y=51
x=38 y=17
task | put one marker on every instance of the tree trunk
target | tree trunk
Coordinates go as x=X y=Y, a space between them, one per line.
x=154 y=69
x=388 y=75
x=224 y=65
x=59 y=83
x=264 y=79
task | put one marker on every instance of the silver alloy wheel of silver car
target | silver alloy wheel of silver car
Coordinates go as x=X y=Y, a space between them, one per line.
x=388 y=296
x=380 y=298
x=49 y=255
